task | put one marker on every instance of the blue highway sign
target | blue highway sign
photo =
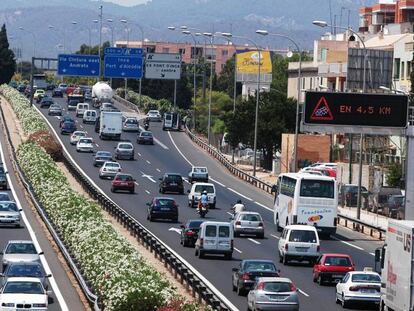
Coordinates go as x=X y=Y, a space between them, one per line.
x=78 y=65
x=124 y=51
x=123 y=66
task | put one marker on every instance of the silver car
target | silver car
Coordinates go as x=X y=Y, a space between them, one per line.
x=20 y=251
x=273 y=294
x=55 y=110
x=250 y=223
x=130 y=125
x=9 y=214
x=109 y=169
x=124 y=150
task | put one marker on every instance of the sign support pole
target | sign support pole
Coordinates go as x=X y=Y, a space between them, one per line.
x=31 y=81
x=409 y=175
x=175 y=95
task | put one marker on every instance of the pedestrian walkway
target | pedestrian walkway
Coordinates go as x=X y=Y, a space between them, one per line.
x=367 y=217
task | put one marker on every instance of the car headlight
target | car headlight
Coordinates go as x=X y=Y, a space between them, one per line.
x=7 y=304
x=39 y=305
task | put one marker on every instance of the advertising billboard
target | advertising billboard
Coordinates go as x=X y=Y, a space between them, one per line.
x=248 y=61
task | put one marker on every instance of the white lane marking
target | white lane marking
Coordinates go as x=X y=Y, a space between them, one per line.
x=186 y=180
x=148 y=176
x=136 y=183
x=264 y=206
x=176 y=230
x=347 y=243
x=254 y=241
x=237 y=250
x=238 y=193
x=96 y=145
x=303 y=293
x=275 y=236
x=217 y=182
x=188 y=264
x=230 y=213
x=148 y=162
x=161 y=144
x=139 y=154
x=158 y=170
x=32 y=234
x=179 y=151
x=147 y=192
x=81 y=126
x=372 y=254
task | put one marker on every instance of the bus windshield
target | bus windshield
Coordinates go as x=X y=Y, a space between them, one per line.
x=317 y=188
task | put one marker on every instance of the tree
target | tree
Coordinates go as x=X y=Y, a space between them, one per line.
x=225 y=81
x=394 y=177
x=7 y=60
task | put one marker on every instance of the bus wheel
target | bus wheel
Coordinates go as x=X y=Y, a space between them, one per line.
x=278 y=227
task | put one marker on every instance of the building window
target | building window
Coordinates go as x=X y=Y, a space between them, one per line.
x=222 y=66
x=397 y=68
x=323 y=55
x=224 y=52
x=402 y=70
x=311 y=84
x=409 y=64
x=303 y=83
x=165 y=50
x=181 y=51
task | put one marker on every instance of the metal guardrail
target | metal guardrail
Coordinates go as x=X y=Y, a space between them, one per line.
x=127 y=103
x=64 y=248
x=358 y=225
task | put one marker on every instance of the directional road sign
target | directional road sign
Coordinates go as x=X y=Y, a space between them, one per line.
x=163 y=66
x=78 y=65
x=123 y=63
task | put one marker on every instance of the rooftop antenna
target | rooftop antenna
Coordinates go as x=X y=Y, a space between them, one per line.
x=330 y=14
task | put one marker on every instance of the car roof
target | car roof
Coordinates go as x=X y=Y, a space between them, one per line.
x=363 y=272
x=164 y=198
x=106 y=162
x=172 y=174
x=301 y=227
x=258 y=260
x=24 y=279
x=336 y=255
x=248 y=212
x=202 y=184
x=215 y=223
x=273 y=279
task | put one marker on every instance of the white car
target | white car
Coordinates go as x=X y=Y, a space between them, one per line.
x=90 y=116
x=250 y=223
x=20 y=292
x=154 y=115
x=109 y=169
x=359 y=286
x=85 y=144
x=130 y=125
x=194 y=194
x=76 y=135
x=81 y=108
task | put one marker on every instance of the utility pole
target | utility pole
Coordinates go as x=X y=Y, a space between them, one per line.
x=100 y=34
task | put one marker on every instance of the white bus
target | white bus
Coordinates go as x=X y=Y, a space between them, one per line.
x=306 y=199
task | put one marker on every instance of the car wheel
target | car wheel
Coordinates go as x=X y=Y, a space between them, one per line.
x=195 y=253
x=228 y=256
x=236 y=234
x=278 y=227
x=184 y=243
x=213 y=205
x=260 y=236
x=200 y=254
x=320 y=280
x=149 y=217
x=132 y=191
x=285 y=260
x=337 y=301
x=314 y=279
x=161 y=190
x=240 y=291
x=280 y=258
x=344 y=304
x=112 y=189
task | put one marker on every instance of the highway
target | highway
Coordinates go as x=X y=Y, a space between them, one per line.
x=174 y=152
x=64 y=294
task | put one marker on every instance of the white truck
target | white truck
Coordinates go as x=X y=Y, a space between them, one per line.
x=110 y=125
x=101 y=93
x=395 y=263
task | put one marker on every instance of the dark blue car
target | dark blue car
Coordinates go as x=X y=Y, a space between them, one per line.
x=67 y=127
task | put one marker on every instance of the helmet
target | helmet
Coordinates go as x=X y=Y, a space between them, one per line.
x=205 y=192
x=239 y=201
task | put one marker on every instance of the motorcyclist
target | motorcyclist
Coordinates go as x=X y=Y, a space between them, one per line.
x=146 y=123
x=238 y=207
x=203 y=201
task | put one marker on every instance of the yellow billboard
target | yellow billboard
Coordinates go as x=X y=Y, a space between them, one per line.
x=248 y=61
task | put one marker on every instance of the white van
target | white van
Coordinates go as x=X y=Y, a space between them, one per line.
x=194 y=194
x=299 y=242
x=81 y=108
x=90 y=116
x=215 y=238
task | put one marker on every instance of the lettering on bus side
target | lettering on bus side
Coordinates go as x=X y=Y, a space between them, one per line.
x=316 y=211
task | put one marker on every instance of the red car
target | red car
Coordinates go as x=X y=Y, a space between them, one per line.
x=326 y=171
x=123 y=181
x=332 y=268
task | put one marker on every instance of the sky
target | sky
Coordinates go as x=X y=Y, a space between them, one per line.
x=127 y=2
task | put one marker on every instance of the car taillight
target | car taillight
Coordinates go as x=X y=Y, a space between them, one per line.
x=238 y=223
x=232 y=244
x=201 y=242
x=292 y=287
x=286 y=246
x=335 y=221
x=260 y=286
x=318 y=248
x=354 y=288
x=245 y=276
x=190 y=232
x=261 y=224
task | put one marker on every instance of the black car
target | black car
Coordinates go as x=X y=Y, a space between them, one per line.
x=57 y=93
x=101 y=157
x=172 y=183
x=50 y=87
x=244 y=276
x=348 y=195
x=67 y=127
x=97 y=125
x=145 y=137
x=162 y=208
x=189 y=232
x=46 y=102
x=21 y=88
x=26 y=270
x=3 y=178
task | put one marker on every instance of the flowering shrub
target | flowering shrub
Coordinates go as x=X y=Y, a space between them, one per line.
x=121 y=278
x=30 y=120
x=147 y=103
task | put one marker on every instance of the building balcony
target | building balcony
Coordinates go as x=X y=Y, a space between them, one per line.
x=406 y=5
x=333 y=70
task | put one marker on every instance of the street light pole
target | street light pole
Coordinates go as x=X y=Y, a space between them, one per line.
x=295 y=150
x=361 y=141
x=257 y=96
x=100 y=30
x=34 y=39
x=208 y=34
x=186 y=32
x=124 y=21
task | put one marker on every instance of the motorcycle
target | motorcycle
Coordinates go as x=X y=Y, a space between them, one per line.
x=146 y=126
x=202 y=210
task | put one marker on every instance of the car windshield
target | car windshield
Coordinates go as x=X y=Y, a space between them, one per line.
x=80 y=134
x=23 y=288
x=103 y=154
x=146 y=134
x=337 y=261
x=173 y=178
x=4 y=196
x=250 y=217
x=259 y=266
x=125 y=146
x=85 y=141
x=277 y=287
x=317 y=188
x=131 y=121
x=1 y=169
x=55 y=106
x=165 y=202
x=200 y=170
x=201 y=188
x=73 y=102
x=21 y=248
x=366 y=278
x=153 y=112
x=112 y=165
x=195 y=224
x=304 y=236
x=8 y=207
x=22 y=270
x=123 y=177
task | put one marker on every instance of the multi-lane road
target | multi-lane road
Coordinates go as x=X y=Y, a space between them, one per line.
x=64 y=294
x=174 y=152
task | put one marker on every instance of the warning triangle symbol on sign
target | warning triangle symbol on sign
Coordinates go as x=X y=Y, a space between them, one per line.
x=322 y=111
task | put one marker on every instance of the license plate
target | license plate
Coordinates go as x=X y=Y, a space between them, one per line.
x=301 y=249
x=6 y=220
x=276 y=297
x=165 y=209
x=173 y=184
x=124 y=184
x=368 y=291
